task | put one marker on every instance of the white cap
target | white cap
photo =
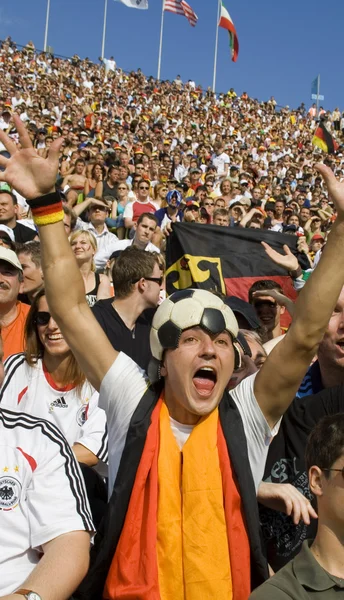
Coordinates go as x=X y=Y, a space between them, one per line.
x=7 y=230
x=10 y=257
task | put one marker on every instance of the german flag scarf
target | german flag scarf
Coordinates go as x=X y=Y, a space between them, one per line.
x=184 y=536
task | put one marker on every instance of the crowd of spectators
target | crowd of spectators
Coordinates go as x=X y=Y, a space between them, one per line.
x=137 y=156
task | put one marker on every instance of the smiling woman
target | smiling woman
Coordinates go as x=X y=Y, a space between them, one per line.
x=47 y=382
x=84 y=246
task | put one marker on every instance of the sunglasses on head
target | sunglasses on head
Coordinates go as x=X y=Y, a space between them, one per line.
x=42 y=318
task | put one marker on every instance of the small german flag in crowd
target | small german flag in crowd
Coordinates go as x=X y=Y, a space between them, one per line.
x=324 y=140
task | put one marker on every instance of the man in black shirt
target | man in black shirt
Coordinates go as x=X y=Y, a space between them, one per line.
x=137 y=280
x=8 y=216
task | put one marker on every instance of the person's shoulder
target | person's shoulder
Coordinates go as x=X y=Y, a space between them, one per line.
x=23 y=308
x=102 y=306
x=282 y=586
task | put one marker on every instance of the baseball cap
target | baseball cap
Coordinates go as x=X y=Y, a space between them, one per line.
x=243 y=309
x=8 y=231
x=10 y=257
x=317 y=236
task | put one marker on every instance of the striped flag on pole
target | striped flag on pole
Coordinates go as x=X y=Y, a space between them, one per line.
x=227 y=23
x=180 y=7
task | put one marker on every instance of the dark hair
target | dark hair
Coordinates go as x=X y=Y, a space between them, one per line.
x=326 y=442
x=263 y=284
x=33 y=249
x=147 y=215
x=13 y=196
x=132 y=264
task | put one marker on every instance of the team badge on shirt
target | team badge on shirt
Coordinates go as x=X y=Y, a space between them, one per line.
x=81 y=415
x=10 y=489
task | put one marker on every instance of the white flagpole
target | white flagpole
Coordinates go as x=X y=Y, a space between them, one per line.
x=216 y=43
x=104 y=29
x=318 y=93
x=161 y=34
x=46 y=26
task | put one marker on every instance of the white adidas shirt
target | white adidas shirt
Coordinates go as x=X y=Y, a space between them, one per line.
x=42 y=494
x=32 y=391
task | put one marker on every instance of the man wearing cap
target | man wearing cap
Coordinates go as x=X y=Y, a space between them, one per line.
x=13 y=313
x=170 y=214
x=183 y=442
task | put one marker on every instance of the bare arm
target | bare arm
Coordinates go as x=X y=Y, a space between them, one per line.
x=278 y=380
x=98 y=192
x=33 y=177
x=68 y=555
x=104 y=290
x=84 y=455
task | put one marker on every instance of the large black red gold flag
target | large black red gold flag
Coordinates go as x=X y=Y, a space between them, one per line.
x=226 y=259
x=324 y=140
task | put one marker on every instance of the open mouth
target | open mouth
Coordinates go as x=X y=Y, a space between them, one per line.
x=204 y=380
x=340 y=345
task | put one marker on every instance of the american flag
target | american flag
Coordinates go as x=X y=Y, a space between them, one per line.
x=180 y=7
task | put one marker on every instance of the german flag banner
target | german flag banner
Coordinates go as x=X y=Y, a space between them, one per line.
x=226 y=259
x=324 y=140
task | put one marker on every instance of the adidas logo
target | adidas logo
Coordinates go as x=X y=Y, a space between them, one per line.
x=58 y=403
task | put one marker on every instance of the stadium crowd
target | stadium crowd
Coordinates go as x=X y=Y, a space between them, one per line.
x=161 y=426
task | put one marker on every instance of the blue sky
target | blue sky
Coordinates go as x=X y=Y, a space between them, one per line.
x=283 y=45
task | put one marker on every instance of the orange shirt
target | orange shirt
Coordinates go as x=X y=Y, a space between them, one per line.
x=13 y=334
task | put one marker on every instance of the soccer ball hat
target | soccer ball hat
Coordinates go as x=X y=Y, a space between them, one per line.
x=185 y=309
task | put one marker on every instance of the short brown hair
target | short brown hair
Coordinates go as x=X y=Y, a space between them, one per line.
x=220 y=212
x=32 y=249
x=132 y=264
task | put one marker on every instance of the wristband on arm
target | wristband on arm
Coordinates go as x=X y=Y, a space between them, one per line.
x=47 y=209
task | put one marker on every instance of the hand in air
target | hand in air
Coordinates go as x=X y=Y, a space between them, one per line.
x=26 y=171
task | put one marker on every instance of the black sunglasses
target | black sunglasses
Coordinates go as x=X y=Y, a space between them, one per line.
x=158 y=280
x=143 y=188
x=42 y=318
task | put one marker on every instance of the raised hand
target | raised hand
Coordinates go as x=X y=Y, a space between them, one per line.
x=287 y=261
x=284 y=497
x=26 y=171
x=335 y=188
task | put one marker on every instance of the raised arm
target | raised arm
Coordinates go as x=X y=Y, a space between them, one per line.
x=279 y=379
x=34 y=178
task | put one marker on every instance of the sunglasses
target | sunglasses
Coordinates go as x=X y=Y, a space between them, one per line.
x=209 y=204
x=42 y=318
x=143 y=188
x=158 y=280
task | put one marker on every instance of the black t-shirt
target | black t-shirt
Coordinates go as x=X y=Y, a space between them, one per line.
x=23 y=234
x=110 y=191
x=134 y=343
x=285 y=464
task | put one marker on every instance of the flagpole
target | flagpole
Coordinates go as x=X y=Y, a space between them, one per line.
x=161 y=34
x=46 y=26
x=104 y=28
x=216 y=44
x=318 y=92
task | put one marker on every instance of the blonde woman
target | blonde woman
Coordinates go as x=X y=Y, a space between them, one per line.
x=84 y=246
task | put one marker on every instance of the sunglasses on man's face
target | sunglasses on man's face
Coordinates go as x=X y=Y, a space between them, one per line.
x=143 y=187
x=42 y=318
x=158 y=280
